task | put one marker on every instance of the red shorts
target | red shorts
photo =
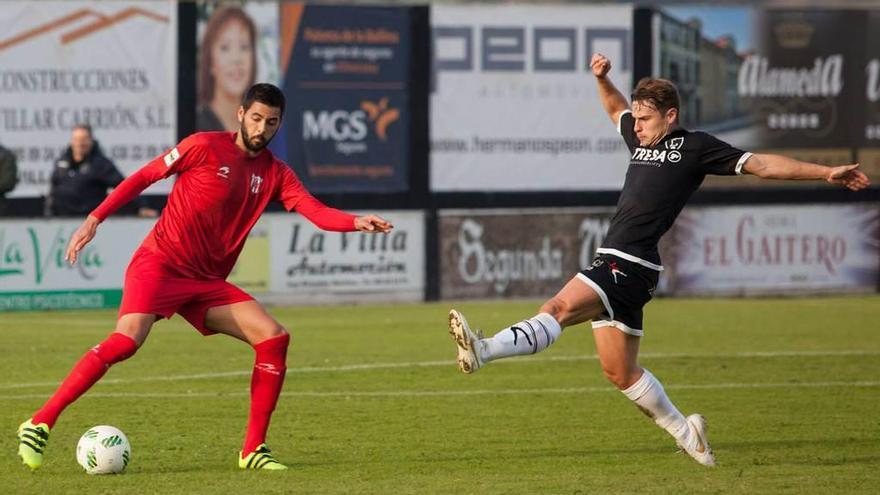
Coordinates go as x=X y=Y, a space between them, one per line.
x=151 y=287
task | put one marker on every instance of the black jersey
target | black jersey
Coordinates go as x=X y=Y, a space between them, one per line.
x=658 y=184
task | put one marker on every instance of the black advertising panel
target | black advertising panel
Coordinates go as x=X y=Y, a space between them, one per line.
x=346 y=77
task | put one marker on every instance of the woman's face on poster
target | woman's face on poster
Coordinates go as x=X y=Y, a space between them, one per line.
x=232 y=60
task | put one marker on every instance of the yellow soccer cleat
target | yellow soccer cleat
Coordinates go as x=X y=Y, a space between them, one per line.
x=261 y=458
x=32 y=440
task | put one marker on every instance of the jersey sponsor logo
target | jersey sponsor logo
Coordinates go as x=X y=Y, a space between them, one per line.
x=656 y=157
x=256 y=183
x=223 y=172
x=649 y=155
x=172 y=156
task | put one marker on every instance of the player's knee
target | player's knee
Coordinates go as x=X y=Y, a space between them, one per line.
x=620 y=376
x=276 y=334
x=557 y=308
x=279 y=331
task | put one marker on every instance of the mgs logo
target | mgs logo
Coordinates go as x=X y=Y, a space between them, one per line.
x=349 y=129
x=381 y=116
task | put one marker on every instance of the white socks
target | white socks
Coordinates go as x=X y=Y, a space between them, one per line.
x=648 y=394
x=526 y=337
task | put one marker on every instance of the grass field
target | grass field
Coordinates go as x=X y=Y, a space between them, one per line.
x=373 y=403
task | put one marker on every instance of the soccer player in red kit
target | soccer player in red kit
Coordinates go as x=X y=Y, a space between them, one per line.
x=225 y=180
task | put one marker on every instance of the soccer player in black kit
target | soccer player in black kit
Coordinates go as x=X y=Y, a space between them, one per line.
x=667 y=164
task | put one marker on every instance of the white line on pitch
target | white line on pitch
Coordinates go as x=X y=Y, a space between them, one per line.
x=425 y=364
x=453 y=393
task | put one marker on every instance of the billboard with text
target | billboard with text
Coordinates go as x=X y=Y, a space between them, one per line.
x=514 y=105
x=774 y=250
x=65 y=63
x=516 y=253
x=34 y=275
x=346 y=76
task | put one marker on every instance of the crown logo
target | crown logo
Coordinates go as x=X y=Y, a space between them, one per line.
x=794 y=33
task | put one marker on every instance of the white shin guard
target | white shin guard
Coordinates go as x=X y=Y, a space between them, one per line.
x=526 y=337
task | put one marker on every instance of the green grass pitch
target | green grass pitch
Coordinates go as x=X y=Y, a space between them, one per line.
x=374 y=404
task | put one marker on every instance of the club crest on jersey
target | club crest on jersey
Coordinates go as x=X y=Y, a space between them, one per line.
x=674 y=143
x=256 y=183
x=223 y=172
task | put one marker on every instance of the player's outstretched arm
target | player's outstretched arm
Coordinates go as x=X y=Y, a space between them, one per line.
x=613 y=100
x=372 y=224
x=785 y=168
x=82 y=236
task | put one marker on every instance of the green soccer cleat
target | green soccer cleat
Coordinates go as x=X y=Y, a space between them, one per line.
x=261 y=458
x=32 y=440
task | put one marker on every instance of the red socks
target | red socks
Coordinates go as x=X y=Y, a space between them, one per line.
x=266 y=382
x=90 y=368
x=270 y=366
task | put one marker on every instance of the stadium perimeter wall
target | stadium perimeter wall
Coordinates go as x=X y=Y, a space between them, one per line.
x=482 y=254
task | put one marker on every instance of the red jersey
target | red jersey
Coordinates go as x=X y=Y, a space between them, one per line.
x=219 y=195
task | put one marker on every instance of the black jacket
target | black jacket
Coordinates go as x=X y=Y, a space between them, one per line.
x=78 y=188
x=8 y=176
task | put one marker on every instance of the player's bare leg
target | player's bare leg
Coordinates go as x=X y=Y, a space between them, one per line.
x=575 y=303
x=33 y=435
x=248 y=321
x=618 y=355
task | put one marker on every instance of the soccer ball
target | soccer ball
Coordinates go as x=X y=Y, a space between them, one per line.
x=103 y=450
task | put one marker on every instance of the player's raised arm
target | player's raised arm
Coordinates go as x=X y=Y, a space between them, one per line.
x=612 y=99
x=782 y=167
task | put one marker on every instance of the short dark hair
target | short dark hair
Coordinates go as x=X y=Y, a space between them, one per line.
x=84 y=126
x=265 y=93
x=659 y=93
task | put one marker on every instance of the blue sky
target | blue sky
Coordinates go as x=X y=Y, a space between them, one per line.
x=719 y=20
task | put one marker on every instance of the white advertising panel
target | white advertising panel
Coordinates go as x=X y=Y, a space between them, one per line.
x=308 y=264
x=34 y=275
x=774 y=249
x=514 y=104
x=112 y=65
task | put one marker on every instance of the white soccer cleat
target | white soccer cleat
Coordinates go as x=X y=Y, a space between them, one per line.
x=698 y=445
x=468 y=343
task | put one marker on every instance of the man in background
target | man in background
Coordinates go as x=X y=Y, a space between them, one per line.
x=8 y=176
x=81 y=177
